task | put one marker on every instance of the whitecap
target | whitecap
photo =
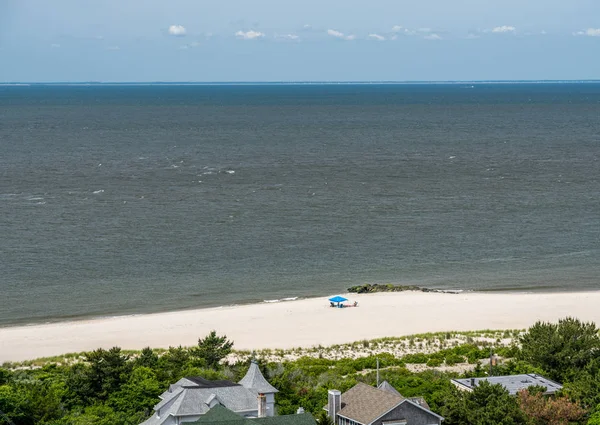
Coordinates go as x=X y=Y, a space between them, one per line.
x=95 y=192
x=281 y=300
x=38 y=198
x=230 y=171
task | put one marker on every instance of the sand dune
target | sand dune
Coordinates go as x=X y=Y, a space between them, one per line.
x=302 y=323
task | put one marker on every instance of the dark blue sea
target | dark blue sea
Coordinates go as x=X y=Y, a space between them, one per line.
x=128 y=199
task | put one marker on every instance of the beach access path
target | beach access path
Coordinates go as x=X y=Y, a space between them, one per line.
x=302 y=323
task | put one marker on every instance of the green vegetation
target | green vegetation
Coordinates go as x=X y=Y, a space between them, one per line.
x=119 y=387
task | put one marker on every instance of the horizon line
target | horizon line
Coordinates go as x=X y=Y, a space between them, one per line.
x=301 y=82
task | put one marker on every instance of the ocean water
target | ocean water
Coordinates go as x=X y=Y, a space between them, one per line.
x=129 y=199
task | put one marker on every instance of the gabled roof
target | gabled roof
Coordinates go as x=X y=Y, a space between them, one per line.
x=219 y=415
x=363 y=403
x=386 y=386
x=512 y=383
x=254 y=380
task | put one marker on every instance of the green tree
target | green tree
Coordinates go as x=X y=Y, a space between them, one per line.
x=97 y=414
x=138 y=394
x=486 y=405
x=212 y=349
x=5 y=376
x=324 y=419
x=562 y=349
x=172 y=364
x=43 y=400
x=104 y=373
x=595 y=417
x=14 y=405
x=147 y=358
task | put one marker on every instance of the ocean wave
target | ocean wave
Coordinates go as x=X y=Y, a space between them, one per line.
x=95 y=192
x=281 y=300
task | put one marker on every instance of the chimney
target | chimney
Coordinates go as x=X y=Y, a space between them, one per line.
x=262 y=405
x=472 y=382
x=334 y=404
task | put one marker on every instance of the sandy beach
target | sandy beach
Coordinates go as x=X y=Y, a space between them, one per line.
x=302 y=323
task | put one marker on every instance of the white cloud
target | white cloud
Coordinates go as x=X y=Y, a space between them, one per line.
x=432 y=36
x=177 y=30
x=335 y=33
x=287 y=36
x=398 y=29
x=504 y=28
x=590 y=32
x=376 y=37
x=340 y=35
x=249 y=35
x=55 y=46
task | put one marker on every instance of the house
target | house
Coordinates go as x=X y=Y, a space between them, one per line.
x=366 y=405
x=190 y=398
x=220 y=415
x=512 y=383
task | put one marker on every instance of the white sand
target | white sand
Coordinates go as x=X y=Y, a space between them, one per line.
x=301 y=323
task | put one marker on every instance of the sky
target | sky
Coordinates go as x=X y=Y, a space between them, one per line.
x=293 y=40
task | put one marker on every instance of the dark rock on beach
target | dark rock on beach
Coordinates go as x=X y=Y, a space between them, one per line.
x=370 y=288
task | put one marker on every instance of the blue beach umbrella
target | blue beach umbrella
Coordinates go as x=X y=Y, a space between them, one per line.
x=338 y=299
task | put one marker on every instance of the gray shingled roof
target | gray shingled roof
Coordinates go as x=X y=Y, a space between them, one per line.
x=386 y=386
x=192 y=396
x=255 y=380
x=513 y=383
x=219 y=415
x=363 y=403
x=420 y=401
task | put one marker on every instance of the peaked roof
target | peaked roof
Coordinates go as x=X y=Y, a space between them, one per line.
x=254 y=380
x=219 y=413
x=363 y=403
x=386 y=386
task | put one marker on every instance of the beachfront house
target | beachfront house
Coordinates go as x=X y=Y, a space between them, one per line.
x=190 y=398
x=383 y=405
x=512 y=383
x=220 y=415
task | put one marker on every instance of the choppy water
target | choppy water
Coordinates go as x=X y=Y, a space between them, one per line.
x=130 y=199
